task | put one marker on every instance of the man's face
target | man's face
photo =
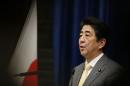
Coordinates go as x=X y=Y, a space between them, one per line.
x=88 y=44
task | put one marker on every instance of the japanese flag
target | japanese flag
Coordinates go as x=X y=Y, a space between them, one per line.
x=24 y=60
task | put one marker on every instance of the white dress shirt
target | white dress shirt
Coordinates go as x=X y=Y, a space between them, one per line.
x=94 y=61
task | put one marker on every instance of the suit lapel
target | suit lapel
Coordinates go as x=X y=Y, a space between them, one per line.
x=96 y=71
x=77 y=75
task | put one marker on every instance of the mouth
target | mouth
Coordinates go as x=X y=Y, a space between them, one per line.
x=81 y=47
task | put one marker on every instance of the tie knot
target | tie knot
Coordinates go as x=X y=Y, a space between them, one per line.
x=87 y=66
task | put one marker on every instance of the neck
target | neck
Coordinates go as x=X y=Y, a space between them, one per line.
x=91 y=57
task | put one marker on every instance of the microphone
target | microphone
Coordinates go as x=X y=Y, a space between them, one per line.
x=72 y=72
x=26 y=74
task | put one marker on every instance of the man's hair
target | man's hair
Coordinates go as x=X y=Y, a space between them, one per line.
x=100 y=28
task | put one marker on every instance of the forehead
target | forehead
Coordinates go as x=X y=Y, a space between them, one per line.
x=87 y=29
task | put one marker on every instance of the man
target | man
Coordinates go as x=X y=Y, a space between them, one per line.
x=102 y=71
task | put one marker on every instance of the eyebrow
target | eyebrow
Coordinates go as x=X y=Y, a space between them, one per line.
x=85 y=31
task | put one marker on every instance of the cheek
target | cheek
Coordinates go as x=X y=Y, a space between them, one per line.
x=90 y=45
x=94 y=46
x=79 y=41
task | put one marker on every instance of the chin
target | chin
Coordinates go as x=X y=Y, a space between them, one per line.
x=83 y=54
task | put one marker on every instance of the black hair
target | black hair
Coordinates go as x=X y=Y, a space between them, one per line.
x=100 y=28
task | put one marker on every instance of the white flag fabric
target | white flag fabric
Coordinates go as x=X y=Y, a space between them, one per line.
x=24 y=59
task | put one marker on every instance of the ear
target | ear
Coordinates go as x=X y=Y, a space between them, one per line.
x=102 y=43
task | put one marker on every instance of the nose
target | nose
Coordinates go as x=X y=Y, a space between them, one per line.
x=82 y=39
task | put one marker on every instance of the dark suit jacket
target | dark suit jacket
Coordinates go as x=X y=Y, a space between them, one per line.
x=105 y=73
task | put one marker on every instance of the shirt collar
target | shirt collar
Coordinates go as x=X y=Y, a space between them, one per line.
x=94 y=61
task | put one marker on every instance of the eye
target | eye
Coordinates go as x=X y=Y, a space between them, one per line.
x=80 y=35
x=87 y=34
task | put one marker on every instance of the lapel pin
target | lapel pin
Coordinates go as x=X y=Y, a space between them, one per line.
x=99 y=70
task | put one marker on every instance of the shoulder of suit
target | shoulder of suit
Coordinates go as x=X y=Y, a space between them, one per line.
x=113 y=64
x=79 y=66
